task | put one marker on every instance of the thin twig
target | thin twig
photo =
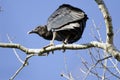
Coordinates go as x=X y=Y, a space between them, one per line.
x=84 y=62
x=93 y=35
x=98 y=31
x=65 y=63
x=115 y=66
x=22 y=66
x=90 y=69
x=104 y=69
x=110 y=71
x=69 y=75
x=93 y=60
x=16 y=54
x=65 y=76
x=116 y=32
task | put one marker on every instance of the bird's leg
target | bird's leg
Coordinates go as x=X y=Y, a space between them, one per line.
x=65 y=42
x=52 y=41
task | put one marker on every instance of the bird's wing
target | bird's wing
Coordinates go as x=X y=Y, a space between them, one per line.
x=63 y=16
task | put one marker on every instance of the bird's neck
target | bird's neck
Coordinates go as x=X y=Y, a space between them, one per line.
x=48 y=34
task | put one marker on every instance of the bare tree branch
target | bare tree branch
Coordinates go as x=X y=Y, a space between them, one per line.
x=51 y=48
x=109 y=30
x=108 y=21
x=42 y=52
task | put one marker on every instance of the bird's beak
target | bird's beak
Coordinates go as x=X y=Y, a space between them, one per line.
x=29 y=32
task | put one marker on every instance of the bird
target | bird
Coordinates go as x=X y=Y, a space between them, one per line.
x=66 y=24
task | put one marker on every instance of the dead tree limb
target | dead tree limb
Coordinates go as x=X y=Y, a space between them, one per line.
x=42 y=52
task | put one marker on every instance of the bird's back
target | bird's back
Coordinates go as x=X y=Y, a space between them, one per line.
x=64 y=15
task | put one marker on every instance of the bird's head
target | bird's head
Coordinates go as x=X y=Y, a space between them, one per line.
x=40 y=30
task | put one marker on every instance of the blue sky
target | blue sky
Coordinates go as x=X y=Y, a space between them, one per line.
x=20 y=16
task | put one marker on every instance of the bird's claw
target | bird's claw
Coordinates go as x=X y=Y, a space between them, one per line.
x=63 y=47
x=48 y=46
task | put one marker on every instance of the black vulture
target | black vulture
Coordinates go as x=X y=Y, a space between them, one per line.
x=66 y=24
